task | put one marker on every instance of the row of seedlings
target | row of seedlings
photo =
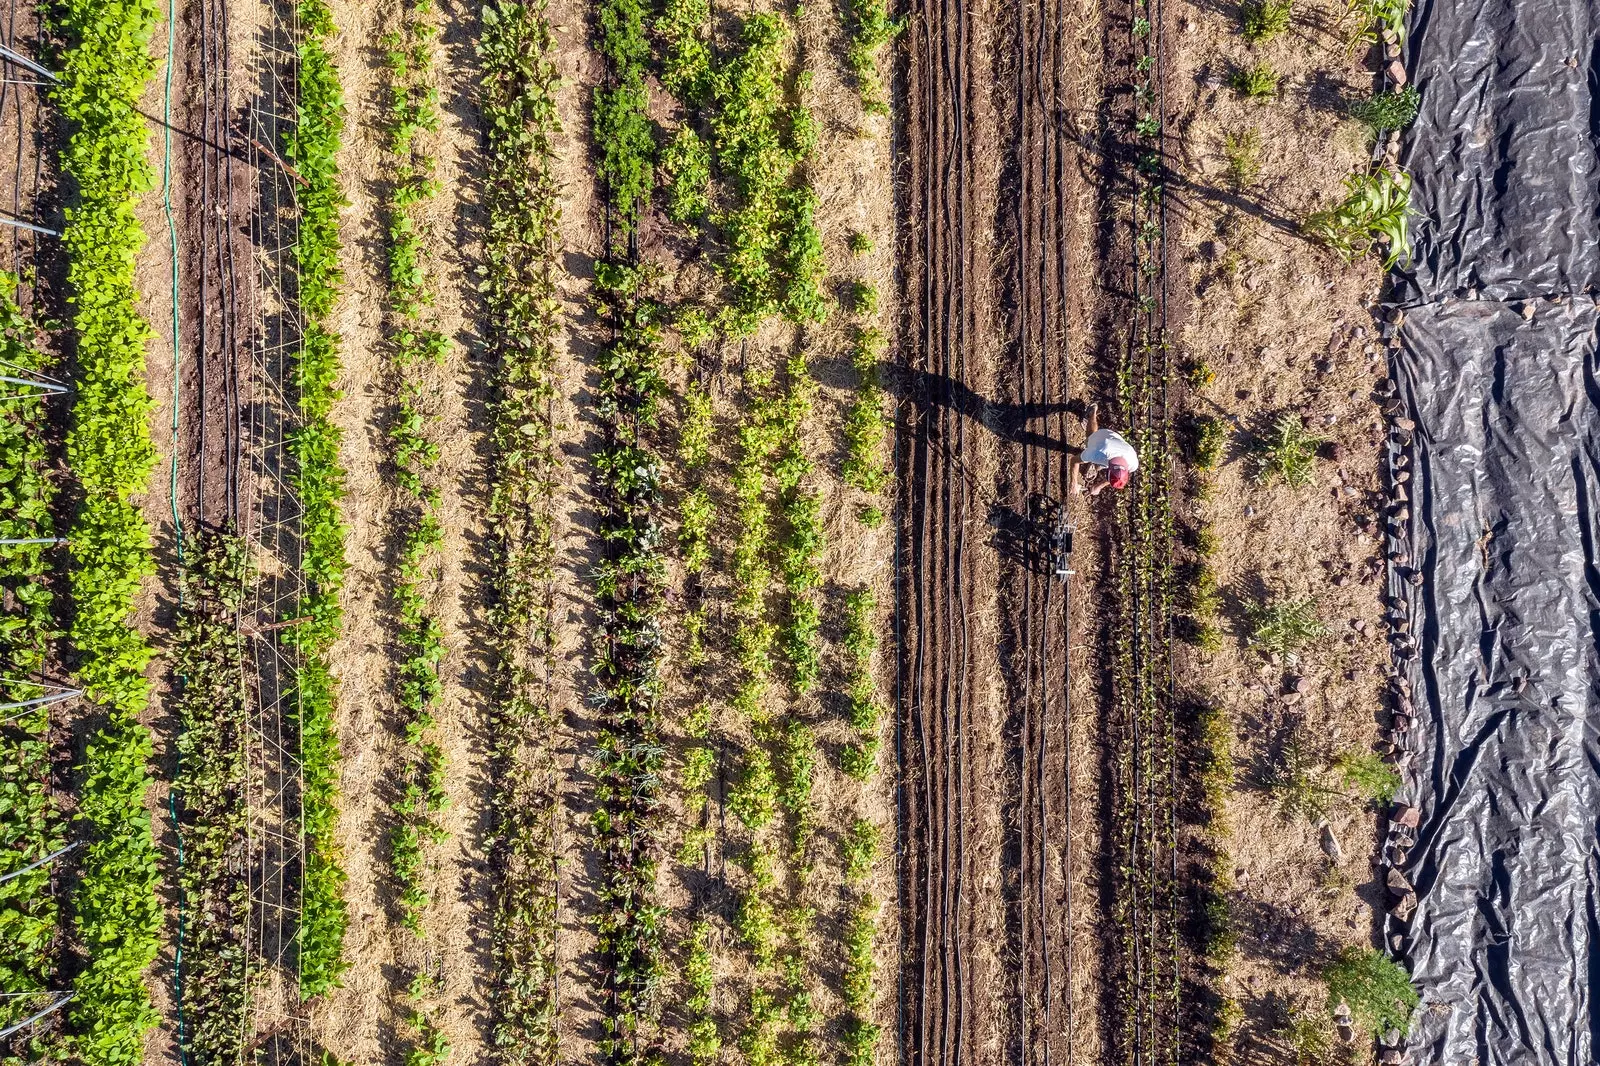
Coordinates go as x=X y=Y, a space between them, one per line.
x=104 y=68
x=866 y=470
x=517 y=102
x=631 y=576
x=31 y=829
x=318 y=482
x=416 y=346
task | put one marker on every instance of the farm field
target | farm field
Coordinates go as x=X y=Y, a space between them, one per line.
x=538 y=532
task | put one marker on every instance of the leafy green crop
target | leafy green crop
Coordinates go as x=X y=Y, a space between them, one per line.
x=865 y=428
x=319 y=482
x=1388 y=110
x=870 y=29
x=622 y=131
x=521 y=205
x=103 y=72
x=208 y=664
x=30 y=826
x=1378 y=990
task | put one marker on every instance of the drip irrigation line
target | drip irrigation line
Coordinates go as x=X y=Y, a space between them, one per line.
x=57 y=1005
x=40 y=862
x=18 y=223
x=16 y=58
x=14 y=541
x=39 y=701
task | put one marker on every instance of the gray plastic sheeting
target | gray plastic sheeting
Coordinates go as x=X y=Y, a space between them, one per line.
x=1505 y=943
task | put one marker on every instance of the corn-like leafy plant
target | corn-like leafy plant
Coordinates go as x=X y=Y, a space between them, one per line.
x=1375 y=212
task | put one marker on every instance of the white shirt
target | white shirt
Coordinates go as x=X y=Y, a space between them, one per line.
x=1105 y=445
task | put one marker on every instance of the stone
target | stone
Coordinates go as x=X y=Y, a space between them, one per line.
x=1406 y=815
x=1403 y=908
x=1290 y=698
x=1341 y=581
x=1405 y=424
x=1402 y=513
x=1402 y=723
x=1525 y=309
x=1347 y=1032
x=1392 y=1057
x=1330 y=844
x=1302 y=685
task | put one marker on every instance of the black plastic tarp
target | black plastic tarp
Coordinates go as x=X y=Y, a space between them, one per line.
x=1497 y=363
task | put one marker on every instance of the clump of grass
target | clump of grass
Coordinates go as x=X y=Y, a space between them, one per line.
x=1259 y=82
x=1243 y=154
x=1369 y=775
x=1262 y=20
x=1388 y=110
x=860 y=244
x=1288 y=452
x=1285 y=625
x=1376 y=209
x=1377 y=989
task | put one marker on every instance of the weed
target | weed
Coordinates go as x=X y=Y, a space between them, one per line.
x=1259 y=82
x=1388 y=110
x=1243 y=153
x=1373 y=17
x=1309 y=1037
x=1262 y=20
x=1378 y=991
x=870 y=516
x=860 y=244
x=1288 y=452
x=1211 y=437
x=870 y=29
x=1376 y=211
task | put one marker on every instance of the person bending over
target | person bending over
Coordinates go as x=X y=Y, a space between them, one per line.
x=1107 y=450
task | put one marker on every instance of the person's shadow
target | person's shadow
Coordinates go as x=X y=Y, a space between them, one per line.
x=1037 y=425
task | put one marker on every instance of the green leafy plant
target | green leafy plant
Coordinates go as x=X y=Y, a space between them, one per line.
x=31 y=826
x=1285 y=625
x=860 y=244
x=516 y=99
x=319 y=482
x=870 y=29
x=1262 y=20
x=1287 y=452
x=1258 y=82
x=1375 y=212
x=1392 y=109
x=686 y=171
x=208 y=666
x=1373 y=18
x=1378 y=991
x=865 y=428
x=705 y=1044
x=116 y=916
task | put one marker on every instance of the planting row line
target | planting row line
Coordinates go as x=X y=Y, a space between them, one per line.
x=517 y=102
x=318 y=481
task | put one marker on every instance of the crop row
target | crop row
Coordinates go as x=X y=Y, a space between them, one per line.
x=517 y=102
x=319 y=482
x=103 y=72
x=631 y=577
x=30 y=827
x=415 y=342
x=208 y=667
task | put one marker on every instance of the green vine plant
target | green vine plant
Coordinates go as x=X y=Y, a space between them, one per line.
x=517 y=102
x=318 y=481
x=30 y=826
x=116 y=916
x=1374 y=214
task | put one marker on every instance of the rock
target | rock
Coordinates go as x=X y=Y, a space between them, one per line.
x=1402 y=477
x=1402 y=723
x=1404 y=423
x=1392 y=1057
x=1415 y=577
x=1302 y=685
x=1399 y=855
x=1405 y=815
x=1525 y=309
x=1402 y=626
x=1403 y=908
x=1347 y=1032
x=1341 y=581
x=1330 y=844
x=1290 y=698
x=1402 y=513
